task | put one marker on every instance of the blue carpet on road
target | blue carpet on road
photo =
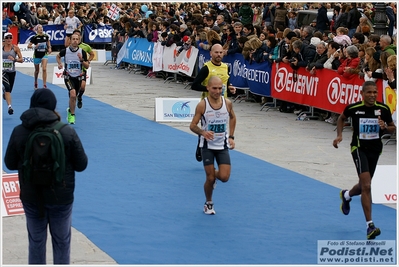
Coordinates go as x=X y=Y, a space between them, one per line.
x=141 y=197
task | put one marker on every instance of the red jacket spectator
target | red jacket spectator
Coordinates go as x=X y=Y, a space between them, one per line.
x=350 y=65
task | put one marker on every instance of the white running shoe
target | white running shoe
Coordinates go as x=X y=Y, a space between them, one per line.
x=330 y=120
x=215 y=183
x=208 y=209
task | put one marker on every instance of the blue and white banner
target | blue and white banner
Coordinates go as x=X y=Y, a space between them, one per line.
x=243 y=74
x=101 y=34
x=27 y=55
x=139 y=51
x=56 y=33
x=203 y=57
x=257 y=76
x=175 y=109
x=237 y=65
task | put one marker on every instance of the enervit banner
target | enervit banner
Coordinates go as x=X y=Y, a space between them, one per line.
x=326 y=90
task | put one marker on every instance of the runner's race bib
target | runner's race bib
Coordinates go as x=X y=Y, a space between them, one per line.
x=368 y=129
x=8 y=64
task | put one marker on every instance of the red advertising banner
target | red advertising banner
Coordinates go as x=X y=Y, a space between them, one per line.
x=10 y=195
x=325 y=90
x=15 y=35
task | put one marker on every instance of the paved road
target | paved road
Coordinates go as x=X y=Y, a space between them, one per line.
x=301 y=146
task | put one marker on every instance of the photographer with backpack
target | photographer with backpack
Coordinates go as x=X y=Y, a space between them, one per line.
x=46 y=153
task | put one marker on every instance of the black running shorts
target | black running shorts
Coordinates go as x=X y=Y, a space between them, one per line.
x=365 y=161
x=221 y=156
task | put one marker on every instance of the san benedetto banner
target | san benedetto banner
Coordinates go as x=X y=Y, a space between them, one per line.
x=175 y=109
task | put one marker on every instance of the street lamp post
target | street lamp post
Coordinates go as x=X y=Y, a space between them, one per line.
x=380 y=19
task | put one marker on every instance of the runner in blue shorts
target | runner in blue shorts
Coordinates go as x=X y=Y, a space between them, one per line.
x=42 y=44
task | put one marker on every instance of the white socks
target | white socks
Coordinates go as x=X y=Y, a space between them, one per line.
x=346 y=195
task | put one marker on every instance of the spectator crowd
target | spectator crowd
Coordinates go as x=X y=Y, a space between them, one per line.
x=260 y=31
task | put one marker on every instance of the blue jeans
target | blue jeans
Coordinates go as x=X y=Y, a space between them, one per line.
x=59 y=219
x=351 y=32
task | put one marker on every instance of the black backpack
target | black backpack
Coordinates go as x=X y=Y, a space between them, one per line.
x=44 y=158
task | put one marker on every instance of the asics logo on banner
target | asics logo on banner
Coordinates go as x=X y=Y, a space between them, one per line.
x=280 y=79
x=342 y=92
x=102 y=33
x=27 y=41
x=28 y=59
x=56 y=35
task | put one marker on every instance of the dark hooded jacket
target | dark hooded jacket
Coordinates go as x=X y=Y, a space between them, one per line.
x=41 y=111
x=318 y=61
x=305 y=55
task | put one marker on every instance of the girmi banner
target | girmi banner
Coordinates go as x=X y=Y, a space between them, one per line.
x=137 y=51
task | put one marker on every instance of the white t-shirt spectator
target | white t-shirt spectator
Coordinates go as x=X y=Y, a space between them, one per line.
x=71 y=24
